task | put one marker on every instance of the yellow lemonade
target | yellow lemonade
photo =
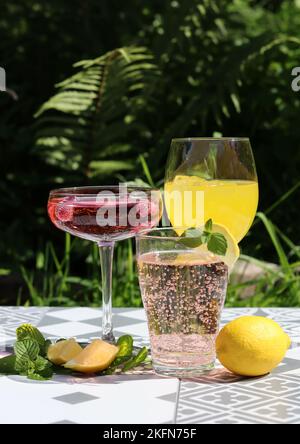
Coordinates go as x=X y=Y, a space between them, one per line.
x=231 y=203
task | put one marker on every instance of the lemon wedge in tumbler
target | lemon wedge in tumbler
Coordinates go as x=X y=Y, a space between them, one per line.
x=202 y=249
x=232 y=252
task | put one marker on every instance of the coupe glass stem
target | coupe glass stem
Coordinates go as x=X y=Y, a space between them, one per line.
x=106 y=260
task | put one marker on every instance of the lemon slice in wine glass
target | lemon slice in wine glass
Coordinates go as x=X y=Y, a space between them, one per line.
x=232 y=253
x=232 y=250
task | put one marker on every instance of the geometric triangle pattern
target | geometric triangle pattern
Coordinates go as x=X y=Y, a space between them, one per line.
x=122 y=399
x=216 y=398
x=222 y=398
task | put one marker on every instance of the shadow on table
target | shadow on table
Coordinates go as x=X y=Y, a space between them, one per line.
x=88 y=380
x=218 y=376
x=100 y=380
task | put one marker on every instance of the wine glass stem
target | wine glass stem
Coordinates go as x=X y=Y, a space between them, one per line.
x=106 y=260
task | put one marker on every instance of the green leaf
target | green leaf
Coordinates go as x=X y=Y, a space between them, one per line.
x=29 y=363
x=136 y=360
x=36 y=377
x=208 y=225
x=192 y=237
x=41 y=376
x=27 y=349
x=60 y=370
x=108 y=166
x=24 y=366
x=283 y=259
x=28 y=331
x=116 y=363
x=217 y=244
x=4 y=272
x=78 y=125
x=125 y=344
x=7 y=365
x=41 y=364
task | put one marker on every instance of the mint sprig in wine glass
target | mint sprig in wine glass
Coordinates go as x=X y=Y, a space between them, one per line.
x=105 y=214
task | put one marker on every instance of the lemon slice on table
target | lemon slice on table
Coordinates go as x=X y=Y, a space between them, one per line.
x=62 y=351
x=96 y=356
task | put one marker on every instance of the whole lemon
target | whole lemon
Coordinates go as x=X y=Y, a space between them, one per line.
x=252 y=345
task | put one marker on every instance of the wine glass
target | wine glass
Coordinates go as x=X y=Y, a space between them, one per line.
x=105 y=214
x=212 y=178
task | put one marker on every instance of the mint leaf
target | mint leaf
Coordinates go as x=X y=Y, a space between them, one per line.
x=205 y=237
x=41 y=364
x=217 y=244
x=26 y=349
x=208 y=225
x=36 y=377
x=136 y=360
x=28 y=361
x=7 y=365
x=28 y=331
x=24 y=366
x=42 y=376
x=26 y=353
x=192 y=237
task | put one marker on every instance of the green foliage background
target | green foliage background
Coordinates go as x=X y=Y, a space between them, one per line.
x=187 y=67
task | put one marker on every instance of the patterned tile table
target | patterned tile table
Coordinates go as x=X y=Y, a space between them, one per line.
x=217 y=398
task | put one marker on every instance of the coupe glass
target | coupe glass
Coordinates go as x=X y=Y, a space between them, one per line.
x=105 y=214
x=211 y=178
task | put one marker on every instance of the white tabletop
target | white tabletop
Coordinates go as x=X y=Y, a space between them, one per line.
x=217 y=398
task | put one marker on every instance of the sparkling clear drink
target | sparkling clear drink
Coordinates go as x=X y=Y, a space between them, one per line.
x=183 y=295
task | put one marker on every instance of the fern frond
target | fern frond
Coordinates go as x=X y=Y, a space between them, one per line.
x=90 y=117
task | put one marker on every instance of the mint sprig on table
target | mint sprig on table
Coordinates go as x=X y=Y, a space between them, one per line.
x=216 y=242
x=29 y=360
x=30 y=356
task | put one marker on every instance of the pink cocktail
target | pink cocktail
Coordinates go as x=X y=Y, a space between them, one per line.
x=104 y=215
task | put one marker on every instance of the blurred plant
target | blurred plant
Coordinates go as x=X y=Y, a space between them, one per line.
x=209 y=67
x=278 y=287
x=53 y=283
x=92 y=120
